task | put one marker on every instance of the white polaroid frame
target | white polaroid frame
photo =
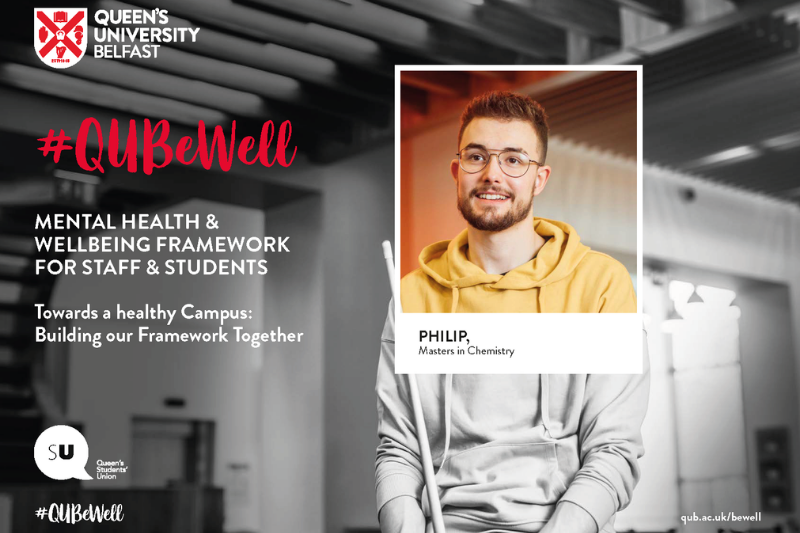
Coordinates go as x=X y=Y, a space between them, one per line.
x=542 y=343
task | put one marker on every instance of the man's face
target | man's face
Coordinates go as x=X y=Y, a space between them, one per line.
x=509 y=200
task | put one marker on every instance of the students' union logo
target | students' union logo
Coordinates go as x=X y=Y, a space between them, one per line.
x=59 y=35
x=61 y=452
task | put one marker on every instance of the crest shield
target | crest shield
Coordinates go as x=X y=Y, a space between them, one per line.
x=60 y=35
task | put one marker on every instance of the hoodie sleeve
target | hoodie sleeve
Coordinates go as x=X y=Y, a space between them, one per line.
x=610 y=441
x=398 y=468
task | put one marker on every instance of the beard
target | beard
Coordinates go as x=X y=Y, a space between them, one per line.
x=490 y=219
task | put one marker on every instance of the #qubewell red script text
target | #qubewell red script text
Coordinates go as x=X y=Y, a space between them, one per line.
x=157 y=137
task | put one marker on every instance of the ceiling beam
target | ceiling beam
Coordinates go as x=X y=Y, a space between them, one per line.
x=435 y=40
x=148 y=81
x=579 y=48
x=742 y=49
x=498 y=24
x=690 y=34
x=669 y=11
x=152 y=85
x=273 y=87
x=773 y=86
x=85 y=98
x=285 y=31
x=596 y=20
x=303 y=66
x=53 y=83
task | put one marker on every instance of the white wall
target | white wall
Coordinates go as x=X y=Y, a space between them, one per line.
x=292 y=396
x=358 y=216
x=111 y=384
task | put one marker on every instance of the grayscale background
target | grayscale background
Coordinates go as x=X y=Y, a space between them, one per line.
x=282 y=438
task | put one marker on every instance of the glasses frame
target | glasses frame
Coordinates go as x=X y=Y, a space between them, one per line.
x=499 y=164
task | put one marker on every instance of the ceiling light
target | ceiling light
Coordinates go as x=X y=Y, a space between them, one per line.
x=90 y=179
x=99 y=94
x=783 y=142
x=726 y=157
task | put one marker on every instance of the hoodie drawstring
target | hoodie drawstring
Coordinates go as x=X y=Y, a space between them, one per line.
x=448 y=396
x=541 y=299
x=448 y=393
x=544 y=381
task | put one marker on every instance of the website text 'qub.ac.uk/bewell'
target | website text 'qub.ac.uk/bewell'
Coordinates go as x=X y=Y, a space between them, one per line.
x=721 y=517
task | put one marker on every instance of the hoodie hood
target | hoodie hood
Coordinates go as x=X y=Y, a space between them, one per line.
x=446 y=261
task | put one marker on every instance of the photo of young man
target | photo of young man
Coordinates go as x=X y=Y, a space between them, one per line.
x=512 y=453
x=507 y=260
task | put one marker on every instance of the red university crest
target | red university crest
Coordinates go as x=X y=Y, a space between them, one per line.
x=59 y=35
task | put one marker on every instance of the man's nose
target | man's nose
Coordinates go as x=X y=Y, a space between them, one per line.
x=492 y=171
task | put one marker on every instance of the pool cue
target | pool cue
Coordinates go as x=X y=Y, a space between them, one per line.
x=419 y=419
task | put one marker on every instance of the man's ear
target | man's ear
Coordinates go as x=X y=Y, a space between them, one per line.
x=454 y=169
x=542 y=175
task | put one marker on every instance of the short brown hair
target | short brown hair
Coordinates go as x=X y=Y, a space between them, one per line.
x=506 y=106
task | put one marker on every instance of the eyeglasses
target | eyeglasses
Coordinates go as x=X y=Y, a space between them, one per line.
x=514 y=164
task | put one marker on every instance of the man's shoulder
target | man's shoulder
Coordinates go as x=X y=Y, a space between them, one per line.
x=418 y=292
x=435 y=258
x=416 y=279
x=599 y=265
x=607 y=283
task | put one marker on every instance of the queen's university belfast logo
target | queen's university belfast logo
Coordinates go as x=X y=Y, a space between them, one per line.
x=59 y=35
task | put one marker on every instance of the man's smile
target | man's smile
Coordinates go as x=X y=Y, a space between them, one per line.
x=492 y=196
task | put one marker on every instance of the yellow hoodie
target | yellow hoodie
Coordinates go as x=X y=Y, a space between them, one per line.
x=564 y=277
